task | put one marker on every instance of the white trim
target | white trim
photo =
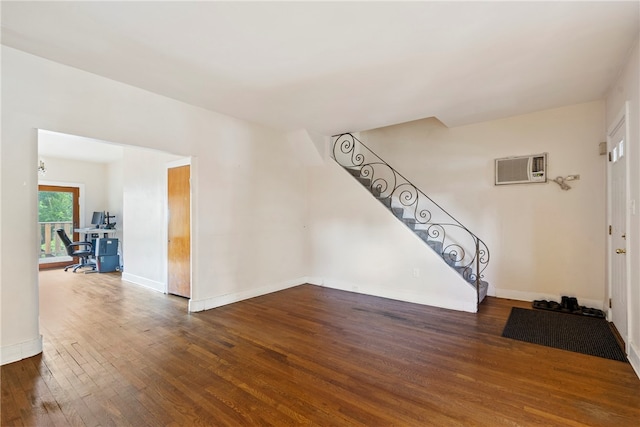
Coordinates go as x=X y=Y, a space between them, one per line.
x=59 y=183
x=209 y=303
x=186 y=161
x=194 y=225
x=531 y=296
x=634 y=358
x=15 y=352
x=317 y=281
x=469 y=306
x=622 y=116
x=144 y=282
x=631 y=237
x=218 y=301
x=54 y=259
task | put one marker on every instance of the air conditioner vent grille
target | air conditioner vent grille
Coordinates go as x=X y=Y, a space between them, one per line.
x=521 y=170
x=510 y=170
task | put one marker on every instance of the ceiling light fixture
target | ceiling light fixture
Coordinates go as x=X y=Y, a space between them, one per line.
x=41 y=169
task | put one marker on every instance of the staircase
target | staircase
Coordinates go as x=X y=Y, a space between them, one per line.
x=462 y=250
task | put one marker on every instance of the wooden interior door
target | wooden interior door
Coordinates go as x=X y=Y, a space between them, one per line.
x=52 y=252
x=179 y=233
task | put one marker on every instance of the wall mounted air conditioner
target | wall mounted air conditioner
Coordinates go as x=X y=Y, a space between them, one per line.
x=522 y=169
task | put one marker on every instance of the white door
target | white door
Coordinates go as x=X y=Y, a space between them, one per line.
x=618 y=238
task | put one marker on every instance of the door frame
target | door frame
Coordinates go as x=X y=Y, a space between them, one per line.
x=187 y=161
x=80 y=216
x=622 y=115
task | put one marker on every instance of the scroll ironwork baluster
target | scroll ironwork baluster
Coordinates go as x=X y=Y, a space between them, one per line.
x=443 y=233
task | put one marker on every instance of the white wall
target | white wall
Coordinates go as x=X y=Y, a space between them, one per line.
x=249 y=208
x=144 y=220
x=115 y=189
x=544 y=242
x=252 y=217
x=358 y=245
x=627 y=88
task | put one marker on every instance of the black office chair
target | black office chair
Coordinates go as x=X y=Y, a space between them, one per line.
x=74 y=250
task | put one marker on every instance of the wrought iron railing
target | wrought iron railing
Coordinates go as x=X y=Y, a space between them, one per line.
x=455 y=243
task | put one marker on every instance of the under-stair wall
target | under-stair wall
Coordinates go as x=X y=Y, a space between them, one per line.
x=440 y=231
x=358 y=246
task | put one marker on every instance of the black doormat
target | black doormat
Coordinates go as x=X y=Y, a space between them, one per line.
x=580 y=334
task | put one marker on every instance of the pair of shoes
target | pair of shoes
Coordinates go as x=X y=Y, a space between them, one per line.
x=543 y=304
x=554 y=306
x=570 y=304
x=593 y=312
x=574 y=306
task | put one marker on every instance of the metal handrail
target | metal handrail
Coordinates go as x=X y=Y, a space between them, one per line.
x=391 y=187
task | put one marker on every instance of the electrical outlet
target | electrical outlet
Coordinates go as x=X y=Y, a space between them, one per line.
x=572 y=178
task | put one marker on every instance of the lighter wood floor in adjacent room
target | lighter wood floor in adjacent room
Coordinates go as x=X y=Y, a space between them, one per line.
x=116 y=354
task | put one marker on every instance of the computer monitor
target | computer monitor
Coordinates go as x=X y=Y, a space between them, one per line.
x=98 y=219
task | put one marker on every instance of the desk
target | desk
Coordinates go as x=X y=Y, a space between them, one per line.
x=88 y=232
x=88 y=237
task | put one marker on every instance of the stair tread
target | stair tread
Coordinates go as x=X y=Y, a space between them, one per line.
x=385 y=201
x=354 y=172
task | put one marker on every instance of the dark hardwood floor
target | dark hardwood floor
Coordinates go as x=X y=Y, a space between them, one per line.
x=118 y=354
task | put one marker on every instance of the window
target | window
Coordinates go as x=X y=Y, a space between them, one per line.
x=618 y=151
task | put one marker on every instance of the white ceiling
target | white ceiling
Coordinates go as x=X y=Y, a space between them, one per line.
x=72 y=147
x=331 y=67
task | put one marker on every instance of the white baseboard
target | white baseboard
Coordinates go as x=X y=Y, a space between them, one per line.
x=424 y=299
x=144 y=282
x=468 y=306
x=318 y=281
x=219 y=301
x=15 y=352
x=532 y=296
x=634 y=358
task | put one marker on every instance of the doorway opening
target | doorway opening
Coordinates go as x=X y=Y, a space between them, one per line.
x=58 y=207
x=113 y=177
